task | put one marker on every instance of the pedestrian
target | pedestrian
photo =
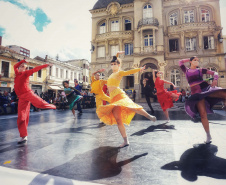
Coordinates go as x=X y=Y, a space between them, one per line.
x=72 y=98
x=26 y=96
x=134 y=95
x=165 y=98
x=122 y=109
x=148 y=93
x=203 y=95
x=79 y=89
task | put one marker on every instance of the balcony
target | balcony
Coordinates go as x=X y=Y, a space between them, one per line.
x=115 y=35
x=194 y=26
x=148 y=23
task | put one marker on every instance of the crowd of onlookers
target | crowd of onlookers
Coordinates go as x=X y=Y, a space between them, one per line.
x=9 y=100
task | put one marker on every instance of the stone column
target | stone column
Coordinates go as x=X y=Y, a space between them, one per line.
x=141 y=40
x=107 y=25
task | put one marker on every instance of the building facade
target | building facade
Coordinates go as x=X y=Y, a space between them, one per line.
x=20 y=50
x=84 y=65
x=8 y=58
x=157 y=33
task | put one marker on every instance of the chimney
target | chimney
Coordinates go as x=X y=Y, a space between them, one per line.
x=46 y=58
x=0 y=40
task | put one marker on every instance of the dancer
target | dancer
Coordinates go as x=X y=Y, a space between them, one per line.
x=79 y=88
x=165 y=98
x=26 y=96
x=72 y=98
x=148 y=92
x=97 y=88
x=203 y=96
x=121 y=109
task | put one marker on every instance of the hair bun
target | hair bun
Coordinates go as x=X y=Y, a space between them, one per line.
x=114 y=58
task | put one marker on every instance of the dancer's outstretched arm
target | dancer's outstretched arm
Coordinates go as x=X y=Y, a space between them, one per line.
x=182 y=66
x=31 y=71
x=76 y=90
x=153 y=75
x=167 y=82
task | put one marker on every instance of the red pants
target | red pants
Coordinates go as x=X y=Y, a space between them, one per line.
x=24 y=110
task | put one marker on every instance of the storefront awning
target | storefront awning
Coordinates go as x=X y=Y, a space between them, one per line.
x=55 y=87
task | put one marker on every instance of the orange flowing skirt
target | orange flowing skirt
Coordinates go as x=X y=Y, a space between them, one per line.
x=118 y=98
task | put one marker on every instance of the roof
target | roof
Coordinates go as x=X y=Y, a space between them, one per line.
x=104 y=3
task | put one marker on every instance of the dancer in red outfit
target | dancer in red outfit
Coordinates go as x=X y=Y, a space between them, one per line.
x=165 y=98
x=26 y=96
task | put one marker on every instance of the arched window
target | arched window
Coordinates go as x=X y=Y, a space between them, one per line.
x=189 y=16
x=173 y=19
x=147 y=11
x=102 y=28
x=175 y=77
x=148 y=40
x=128 y=25
x=205 y=14
x=115 y=25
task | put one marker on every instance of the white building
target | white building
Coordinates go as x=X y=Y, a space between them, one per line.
x=84 y=65
x=61 y=71
x=20 y=50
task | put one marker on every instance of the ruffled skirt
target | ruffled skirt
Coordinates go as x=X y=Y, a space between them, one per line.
x=118 y=99
x=165 y=99
x=191 y=103
x=77 y=99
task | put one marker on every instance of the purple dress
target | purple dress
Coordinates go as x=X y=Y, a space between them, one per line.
x=200 y=89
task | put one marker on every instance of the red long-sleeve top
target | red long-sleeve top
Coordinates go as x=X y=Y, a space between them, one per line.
x=21 y=81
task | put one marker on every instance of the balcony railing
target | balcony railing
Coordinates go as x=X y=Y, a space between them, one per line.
x=115 y=34
x=192 y=26
x=148 y=22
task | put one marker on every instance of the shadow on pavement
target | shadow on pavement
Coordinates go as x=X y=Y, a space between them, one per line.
x=154 y=128
x=199 y=161
x=95 y=164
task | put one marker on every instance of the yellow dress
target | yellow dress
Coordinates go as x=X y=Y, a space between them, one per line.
x=97 y=89
x=118 y=98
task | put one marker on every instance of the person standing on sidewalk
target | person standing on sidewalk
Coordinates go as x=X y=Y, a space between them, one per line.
x=26 y=97
x=78 y=88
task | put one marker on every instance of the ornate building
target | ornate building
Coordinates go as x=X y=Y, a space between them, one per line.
x=157 y=33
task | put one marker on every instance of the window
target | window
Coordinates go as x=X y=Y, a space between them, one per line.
x=61 y=73
x=114 y=50
x=115 y=25
x=66 y=74
x=173 y=19
x=5 y=69
x=175 y=77
x=128 y=49
x=208 y=42
x=129 y=82
x=29 y=68
x=147 y=12
x=127 y=25
x=79 y=76
x=71 y=75
x=40 y=74
x=190 y=44
x=189 y=16
x=173 y=45
x=84 y=78
x=57 y=72
x=148 y=40
x=101 y=51
x=75 y=76
x=205 y=14
x=103 y=28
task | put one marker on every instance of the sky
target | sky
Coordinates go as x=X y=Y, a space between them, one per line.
x=53 y=27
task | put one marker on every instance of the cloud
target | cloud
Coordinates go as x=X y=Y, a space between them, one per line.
x=68 y=32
